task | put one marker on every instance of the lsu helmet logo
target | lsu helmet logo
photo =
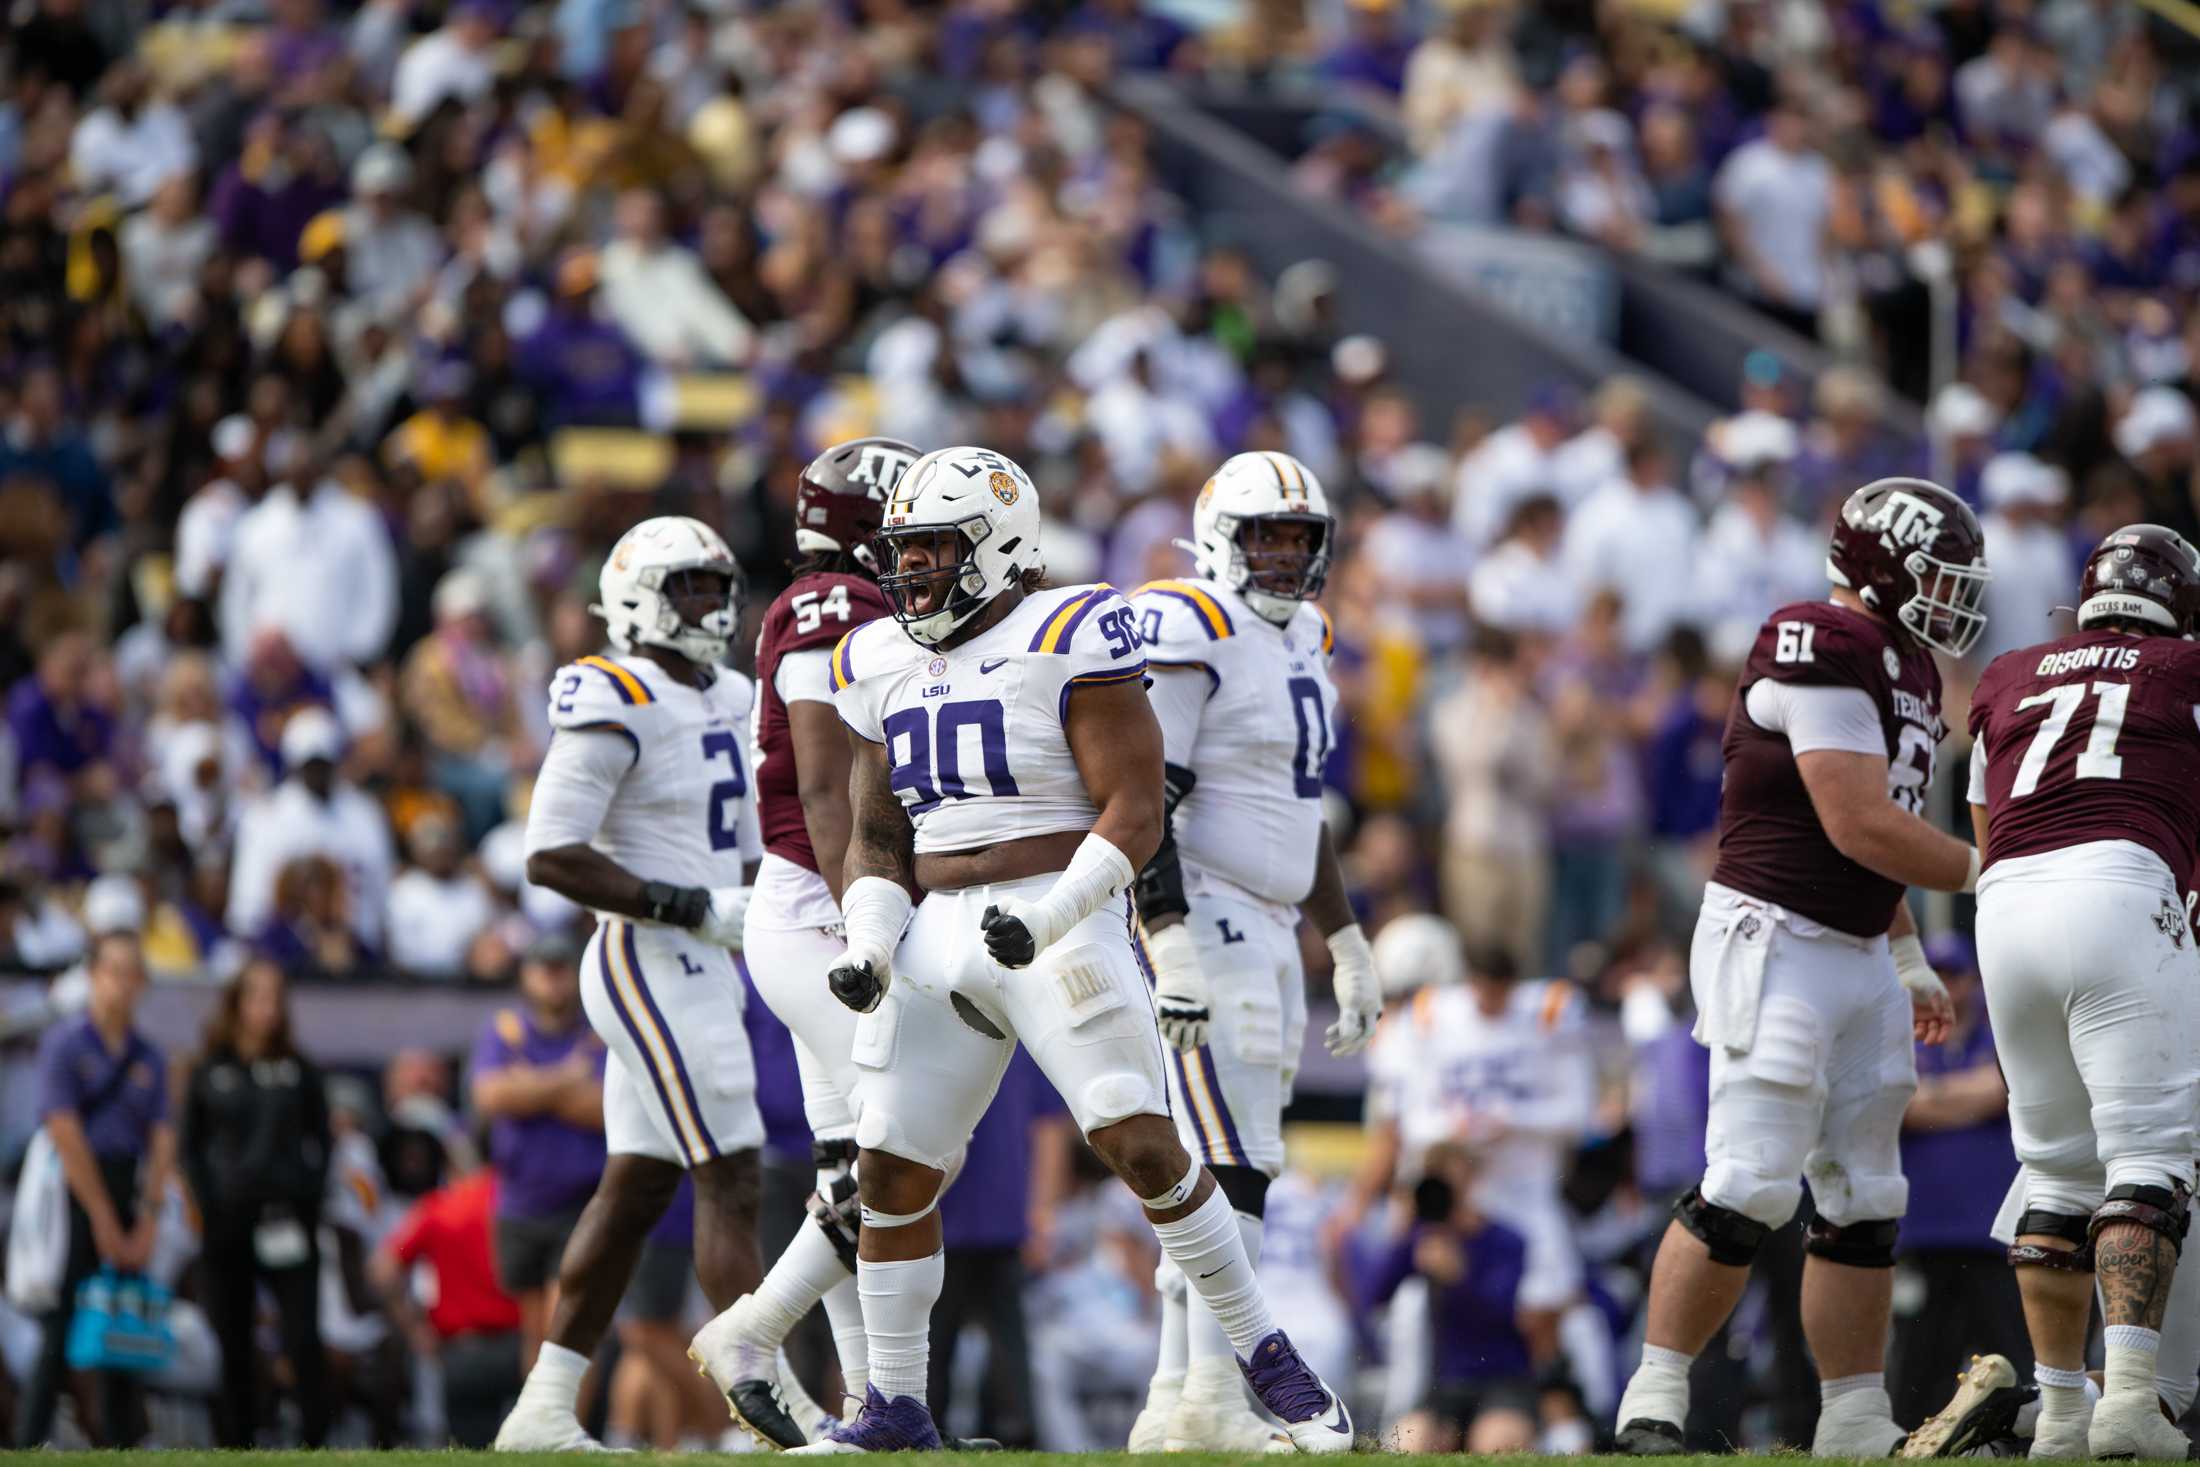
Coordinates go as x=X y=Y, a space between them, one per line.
x=1003 y=486
x=1206 y=494
x=1905 y=522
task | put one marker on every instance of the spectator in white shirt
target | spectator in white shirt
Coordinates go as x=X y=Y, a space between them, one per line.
x=1141 y=427
x=1597 y=455
x=163 y=248
x=313 y=812
x=1637 y=536
x=452 y=62
x=318 y=567
x=1755 y=556
x=206 y=530
x=132 y=142
x=1511 y=464
x=391 y=254
x=2029 y=551
x=437 y=906
x=1524 y=585
x=1425 y=562
x=1774 y=197
x=657 y=292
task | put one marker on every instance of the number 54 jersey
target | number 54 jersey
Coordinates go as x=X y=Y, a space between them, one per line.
x=1771 y=845
x=1258 y=743
x=974 y=734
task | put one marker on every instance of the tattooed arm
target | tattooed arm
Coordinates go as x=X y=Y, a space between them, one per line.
x=881 y=880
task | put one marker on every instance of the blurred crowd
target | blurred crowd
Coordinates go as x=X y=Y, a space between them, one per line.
x=338 y=342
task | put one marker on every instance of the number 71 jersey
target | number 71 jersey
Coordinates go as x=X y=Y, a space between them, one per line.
x=1771 y=844
x=975 y=735
x=684 y=811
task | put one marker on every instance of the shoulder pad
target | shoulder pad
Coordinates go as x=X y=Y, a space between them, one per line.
x=1190 y=611
x=1072 y=610
x=596 y=691
x=1328 y=628
x=1819 y=644
x=849 y=661
x=818 y=610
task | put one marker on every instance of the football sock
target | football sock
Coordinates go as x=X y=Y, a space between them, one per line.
x=844 y=1312
x=1209 y=1248
x=1833 y=1390
x=2062 y=1392
x=2127 y=1358
x=1206 y=1339
x=803 y=1274
x=1175 y=1321
x=555 y=1382
x=897 y=1315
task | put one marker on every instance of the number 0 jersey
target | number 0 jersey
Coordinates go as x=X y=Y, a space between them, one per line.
x=2089 y=738
x=682 y=809
x=1771 y=845
x=974 y=734
x=1257 y=741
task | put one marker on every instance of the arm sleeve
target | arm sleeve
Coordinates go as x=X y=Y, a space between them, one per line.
x=574 y=788
x=805 y=676
x=1818 y=716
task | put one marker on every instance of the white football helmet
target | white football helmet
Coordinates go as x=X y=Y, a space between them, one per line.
x=1417 y=951
x=990 y=504
x=650 y=596
x=1252 y=496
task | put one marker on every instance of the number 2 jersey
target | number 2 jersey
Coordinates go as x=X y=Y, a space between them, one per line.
x=794 y=655
x=1254 y=730
x=663 y=762
x=1771 y=844
x=2093 y=737
x=975 y=735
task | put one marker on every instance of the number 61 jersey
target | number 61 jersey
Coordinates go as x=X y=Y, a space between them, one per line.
x=683 y=810
x=1771 y=845
x=974 y=734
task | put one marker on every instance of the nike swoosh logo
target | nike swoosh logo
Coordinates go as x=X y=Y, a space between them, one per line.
x=1337 y=1423
x=994 y=666
x=1210 y=1273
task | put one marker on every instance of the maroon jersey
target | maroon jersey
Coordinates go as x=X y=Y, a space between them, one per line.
x=813 y=614
x=1771 y=845
x=2089 y=738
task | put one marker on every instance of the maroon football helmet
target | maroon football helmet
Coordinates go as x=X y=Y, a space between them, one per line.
x=842 y=496
x=1915 y=554
x=2142 y=573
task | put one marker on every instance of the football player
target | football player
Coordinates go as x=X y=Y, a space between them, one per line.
x=2084 y=799
x=643 y=813
x=1240 y=664
x=801 y=758
x=1806 y=967
x=1008 y=765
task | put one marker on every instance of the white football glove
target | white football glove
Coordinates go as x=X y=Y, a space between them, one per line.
x=729 y=910
x=1359 y=992
x=1180 y=988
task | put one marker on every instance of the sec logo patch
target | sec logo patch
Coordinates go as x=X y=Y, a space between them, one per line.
x=1003 y=486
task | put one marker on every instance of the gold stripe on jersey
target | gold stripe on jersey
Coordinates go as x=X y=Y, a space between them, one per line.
x=1329 y=630
x=656 y=1049
x=1050 y=639
x=1209 y=610
x=634 y=688
x=843 y=669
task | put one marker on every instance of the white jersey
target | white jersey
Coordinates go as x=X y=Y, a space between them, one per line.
x=1256 y=739
x=975 y=734
x=1446 y=1071
x=682 y=807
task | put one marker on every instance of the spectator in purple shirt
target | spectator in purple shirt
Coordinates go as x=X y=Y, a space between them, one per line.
x=537 y=1077
x=1957 y=1154
x=1016 y=1169
x=103 y=1099
x=56 y=726
x=586 y=371
x=1373 y=52
x=1481 y=1395
x=285 y=175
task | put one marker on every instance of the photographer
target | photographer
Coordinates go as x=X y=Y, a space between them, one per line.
x=256 y=1152
x=1481 y=1394
x=103 y=1098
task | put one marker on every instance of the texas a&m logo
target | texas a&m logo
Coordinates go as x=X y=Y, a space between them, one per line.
x=1905 y=522
x=880 y=469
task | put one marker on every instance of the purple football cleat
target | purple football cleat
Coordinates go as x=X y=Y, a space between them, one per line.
x=900 y=1425
x=1310 y=1411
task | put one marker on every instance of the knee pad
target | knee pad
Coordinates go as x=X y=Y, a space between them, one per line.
x=2164 y=1210
x=1742 y=1189
x=1245 y=1187
x=1867 y=1244
x=1731 y=1238
x=838 y=1213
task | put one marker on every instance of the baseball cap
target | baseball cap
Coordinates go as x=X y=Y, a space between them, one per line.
x=1961 y=411
x=2019 y=478
x=311 y=733
x=2155 y=416
x=114 y=903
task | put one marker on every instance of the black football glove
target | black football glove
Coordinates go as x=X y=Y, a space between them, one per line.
x=675 y=906
x=1007 y=938
x=857 y=985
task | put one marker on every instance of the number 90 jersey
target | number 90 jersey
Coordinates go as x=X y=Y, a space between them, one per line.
x=974 y=734
x=1771 y=844
x=684 y=809
x=1257 y=742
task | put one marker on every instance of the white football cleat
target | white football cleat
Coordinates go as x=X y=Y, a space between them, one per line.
x=1983 y=1410
x=2063 y=1440
x=1858 y=1425
x=2131 y=1424
x=751 y=1381
x=1212 y=1414
x=1150 y=1430
x=533 y=1428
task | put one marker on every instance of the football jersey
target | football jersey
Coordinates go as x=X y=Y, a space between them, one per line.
x=813 y=614
x=1254 y=815
x=1446 y=1071
x=974 y=735
x=2089 y=738
x=684 y=811
x=1771 y=845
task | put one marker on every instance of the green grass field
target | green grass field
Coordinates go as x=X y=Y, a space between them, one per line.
x=941 y=1459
